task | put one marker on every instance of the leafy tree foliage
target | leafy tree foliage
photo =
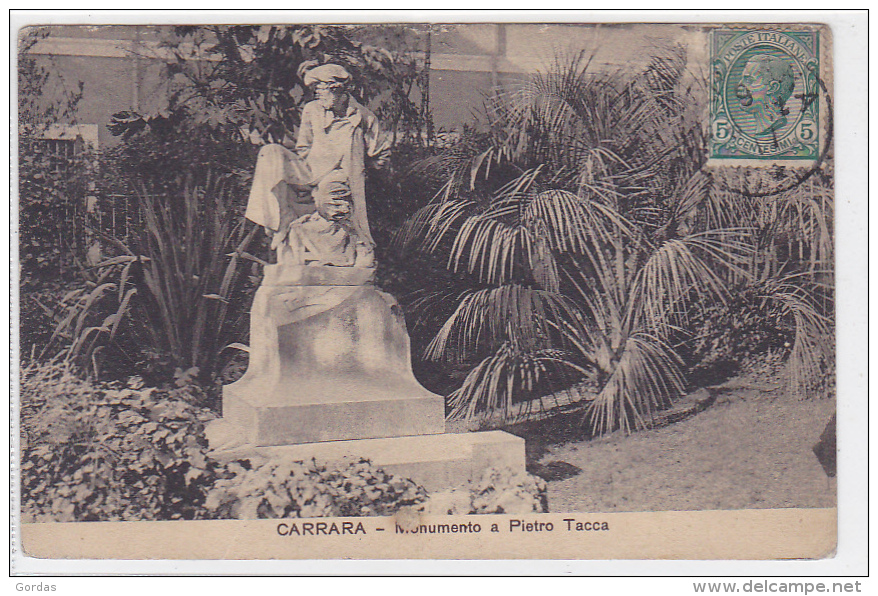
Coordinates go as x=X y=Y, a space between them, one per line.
x=44 y=96
x=245 y=82
x=49 y=184
x=51 y=191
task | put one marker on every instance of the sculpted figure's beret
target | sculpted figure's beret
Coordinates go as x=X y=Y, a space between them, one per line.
x=327 y=73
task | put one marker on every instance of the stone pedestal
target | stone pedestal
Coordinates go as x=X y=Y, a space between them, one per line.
x=435 y=462
x=330 y=373
x=328 y=362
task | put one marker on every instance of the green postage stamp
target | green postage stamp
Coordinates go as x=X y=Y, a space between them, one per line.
x=765 y=92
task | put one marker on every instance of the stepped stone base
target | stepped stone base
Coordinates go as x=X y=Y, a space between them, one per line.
x=329 y=360
x=436 y=462
x=330 y=378
x=337 y=411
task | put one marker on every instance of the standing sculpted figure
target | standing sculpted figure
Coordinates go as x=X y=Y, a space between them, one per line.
x=313 y=201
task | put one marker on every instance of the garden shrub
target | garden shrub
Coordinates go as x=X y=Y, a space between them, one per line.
x=296 y=489
x=109 y=452
x=728 y=335
x=497 y=491
x=113 y=452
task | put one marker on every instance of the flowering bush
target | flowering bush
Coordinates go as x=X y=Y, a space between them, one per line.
x=497 y=491
x=297 y=489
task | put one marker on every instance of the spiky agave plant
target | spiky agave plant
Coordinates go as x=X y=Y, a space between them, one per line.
x=195 y=246
x=177 y=289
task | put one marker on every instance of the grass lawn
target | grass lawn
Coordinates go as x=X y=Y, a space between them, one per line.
x=752 y=448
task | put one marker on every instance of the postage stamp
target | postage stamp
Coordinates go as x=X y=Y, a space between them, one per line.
x=765 y=94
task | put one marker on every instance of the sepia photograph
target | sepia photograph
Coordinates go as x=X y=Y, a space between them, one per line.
x=425 y=290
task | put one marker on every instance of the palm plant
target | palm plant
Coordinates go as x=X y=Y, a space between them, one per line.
x=584 y=220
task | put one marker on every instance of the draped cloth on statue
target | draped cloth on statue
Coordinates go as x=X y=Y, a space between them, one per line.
x=268 y=207
x=326 y=143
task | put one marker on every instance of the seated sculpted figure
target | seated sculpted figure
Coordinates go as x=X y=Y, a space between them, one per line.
x=327 y=236
x=336 y=139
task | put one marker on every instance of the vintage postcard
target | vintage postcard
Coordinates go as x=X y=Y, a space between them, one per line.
x=426 y=291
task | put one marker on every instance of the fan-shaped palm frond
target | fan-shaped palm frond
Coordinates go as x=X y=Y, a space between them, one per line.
x=496 y=385
x=492 y=250
x=697 y=200
x=433 y=223
x=679 y=267
x=495 y=243
x=805 y=219
x=646 y=378
x=574 y=223
x=575 y=119
x=533 y=318
x=813 y=349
